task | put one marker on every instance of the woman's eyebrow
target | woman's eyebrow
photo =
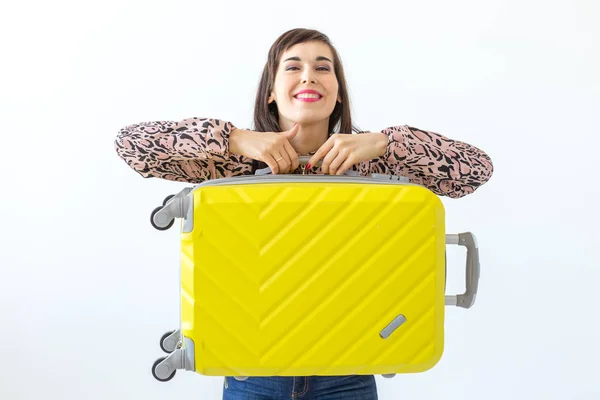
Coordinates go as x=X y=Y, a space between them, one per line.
x=319 y=58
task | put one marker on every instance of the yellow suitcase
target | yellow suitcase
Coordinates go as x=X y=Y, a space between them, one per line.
x=302 y=275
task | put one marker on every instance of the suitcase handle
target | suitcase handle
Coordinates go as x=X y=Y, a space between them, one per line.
x=467 y=299
x=304 y=160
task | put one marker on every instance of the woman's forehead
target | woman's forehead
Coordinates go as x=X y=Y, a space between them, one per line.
x=308 y=51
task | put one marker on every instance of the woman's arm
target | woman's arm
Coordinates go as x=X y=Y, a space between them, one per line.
x=447 y=167
x=191 y=150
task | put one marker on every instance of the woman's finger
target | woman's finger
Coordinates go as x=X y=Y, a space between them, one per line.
x=270 y=161
x=345 y=166
x=282 y=160
x=294 y=162
x=320 y=153
x=328 y=159
x=337 y=162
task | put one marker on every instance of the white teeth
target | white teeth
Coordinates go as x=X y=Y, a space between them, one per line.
x=307 y=96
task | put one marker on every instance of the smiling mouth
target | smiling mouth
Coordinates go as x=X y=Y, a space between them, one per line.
x=308 y=97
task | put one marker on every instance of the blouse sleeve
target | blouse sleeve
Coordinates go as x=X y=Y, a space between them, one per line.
x=191 y=150
x=445 y=166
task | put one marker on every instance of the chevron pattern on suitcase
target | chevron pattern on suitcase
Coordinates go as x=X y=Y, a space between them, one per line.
x=300 y=279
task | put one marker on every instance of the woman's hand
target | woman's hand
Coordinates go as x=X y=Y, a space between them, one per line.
x=273 y=148
x=341 y=151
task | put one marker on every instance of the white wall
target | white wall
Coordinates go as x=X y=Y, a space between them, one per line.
x=87 y=286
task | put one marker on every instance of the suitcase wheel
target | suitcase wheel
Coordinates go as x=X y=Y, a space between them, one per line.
x=167 y=199
x=157 y=209
x=162 y=373
x=168 y=346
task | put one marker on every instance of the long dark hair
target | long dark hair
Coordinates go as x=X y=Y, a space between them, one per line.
x=266 y=116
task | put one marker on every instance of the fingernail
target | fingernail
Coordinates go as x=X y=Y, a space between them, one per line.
x=308 y=166
x=295 y=123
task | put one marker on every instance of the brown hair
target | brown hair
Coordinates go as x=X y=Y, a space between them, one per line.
x=266 y=116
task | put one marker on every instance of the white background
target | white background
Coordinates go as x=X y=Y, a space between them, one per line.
x=88 y=286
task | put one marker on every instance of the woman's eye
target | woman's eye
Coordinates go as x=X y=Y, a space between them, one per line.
x=292 y=68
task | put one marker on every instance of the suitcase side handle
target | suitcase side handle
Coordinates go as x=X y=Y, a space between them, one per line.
x=467 y=299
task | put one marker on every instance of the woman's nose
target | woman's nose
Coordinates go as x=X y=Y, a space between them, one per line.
x=307 y=77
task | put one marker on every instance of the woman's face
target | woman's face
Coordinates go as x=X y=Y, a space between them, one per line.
x=305 y=88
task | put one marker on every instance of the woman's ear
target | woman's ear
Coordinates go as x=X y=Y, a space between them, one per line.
x=271 y=98
x=339 y=99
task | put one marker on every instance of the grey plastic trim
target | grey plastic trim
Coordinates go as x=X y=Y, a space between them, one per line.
x=451 y=300
x=384 y=177
x=267 y=171
x=188 y=345
x=188 y=222
x=472 y=274
x=392 y=326
x=284 y=178
x=452 y=238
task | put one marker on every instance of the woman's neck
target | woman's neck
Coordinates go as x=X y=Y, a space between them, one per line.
x=309 y=137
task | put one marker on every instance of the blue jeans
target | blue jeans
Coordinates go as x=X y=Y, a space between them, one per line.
x=352 y=387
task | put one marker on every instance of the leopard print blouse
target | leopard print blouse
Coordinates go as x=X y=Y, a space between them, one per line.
x=196 y=149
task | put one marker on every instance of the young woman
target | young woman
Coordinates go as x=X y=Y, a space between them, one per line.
x=301 y=109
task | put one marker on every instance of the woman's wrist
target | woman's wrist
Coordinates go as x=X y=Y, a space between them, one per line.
x=234 y=140
x=381 y=144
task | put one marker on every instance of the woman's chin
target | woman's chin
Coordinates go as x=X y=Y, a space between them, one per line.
x=309 y=119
